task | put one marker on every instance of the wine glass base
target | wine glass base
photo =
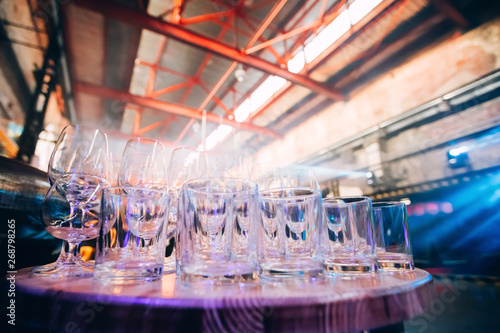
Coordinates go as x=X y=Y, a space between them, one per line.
x=63 y=270
x=87 y=264
x=63 y=257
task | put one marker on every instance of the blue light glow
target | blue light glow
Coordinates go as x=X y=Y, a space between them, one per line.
x=457 y=151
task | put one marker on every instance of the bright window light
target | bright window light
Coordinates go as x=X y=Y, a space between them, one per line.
x=328 y=36
x=278 y=83
x=331 y=33
x=265 y=91
x=359 y=8
x=296 y=64
x=243 y=111
x=216 y=136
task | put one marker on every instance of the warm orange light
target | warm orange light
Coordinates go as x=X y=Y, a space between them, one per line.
x=86 y=252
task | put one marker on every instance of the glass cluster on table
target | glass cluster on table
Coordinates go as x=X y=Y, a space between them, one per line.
x=230 y=219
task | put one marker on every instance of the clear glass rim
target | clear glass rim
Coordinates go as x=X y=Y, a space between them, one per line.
x=248 y=186
x=82 y=129
x=138 y=140
x=351 y=200
x=313 y=193
x=331 y=202
x=122 y=190
x=187 y=148
x=387 y=204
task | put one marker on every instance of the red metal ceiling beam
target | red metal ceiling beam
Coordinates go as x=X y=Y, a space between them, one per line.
x=145 y=21
x=320 y=21
x=162 y=69
x=169 y=89
x=180 y=110
x=264 y=25
x=205 y=17
x=211 y=94
x=124 y=136
x=452 y=12
x=382 y=10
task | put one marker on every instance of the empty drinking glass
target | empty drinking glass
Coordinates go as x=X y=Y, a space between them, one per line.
x=347 y=238
x=217 y=230
x=185 y=163
x=393 y=246
x=289 y=232
x=126 y=212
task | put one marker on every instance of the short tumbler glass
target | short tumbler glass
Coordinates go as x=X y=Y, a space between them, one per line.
x=217 y=230
x=132 y=234
x=289 y=232
x=347 y=237
x=392 y=238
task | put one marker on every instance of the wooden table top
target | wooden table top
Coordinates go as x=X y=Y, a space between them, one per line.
x=321 y=305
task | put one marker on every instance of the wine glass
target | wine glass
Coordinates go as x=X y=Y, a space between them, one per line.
x=185 y=163
x=79 y=150
x=143 y=162
x=70 y=212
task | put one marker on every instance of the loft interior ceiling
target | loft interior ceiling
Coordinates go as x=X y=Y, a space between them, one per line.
x=134 y=81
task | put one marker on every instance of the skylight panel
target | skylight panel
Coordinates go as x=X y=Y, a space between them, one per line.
x=359 y=8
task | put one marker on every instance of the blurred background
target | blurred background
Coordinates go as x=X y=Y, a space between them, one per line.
x=394 y=99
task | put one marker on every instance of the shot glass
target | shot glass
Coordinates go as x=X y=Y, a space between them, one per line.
x=217 y=230
x=289 y=232
x=132 y=234
x=347 y=238
x=393 y=246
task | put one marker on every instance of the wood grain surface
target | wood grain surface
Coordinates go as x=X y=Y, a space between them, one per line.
x=171 y=305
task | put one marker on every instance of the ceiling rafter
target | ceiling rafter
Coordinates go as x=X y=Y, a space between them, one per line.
x=269 y=18
x=105 y=92
x=383 y=9
x=170 y=30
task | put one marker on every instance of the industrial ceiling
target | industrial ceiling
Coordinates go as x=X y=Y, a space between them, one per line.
x=221 y=73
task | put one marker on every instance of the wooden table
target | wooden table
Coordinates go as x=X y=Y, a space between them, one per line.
x=169 y=305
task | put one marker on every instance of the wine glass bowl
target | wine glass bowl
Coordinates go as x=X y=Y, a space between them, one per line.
x=70 y=212
x=143 y=162
x=79 y=150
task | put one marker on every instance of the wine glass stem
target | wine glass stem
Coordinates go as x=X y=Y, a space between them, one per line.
x=147 y=242
x=214 y=242
x=73 y=210
x=72 y=253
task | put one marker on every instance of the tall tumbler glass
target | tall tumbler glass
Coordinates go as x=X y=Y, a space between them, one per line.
x=186 y=163
x=392 y=238
x=127 y=212
x=217 y=230
x=347 y=236
x=289 y=232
